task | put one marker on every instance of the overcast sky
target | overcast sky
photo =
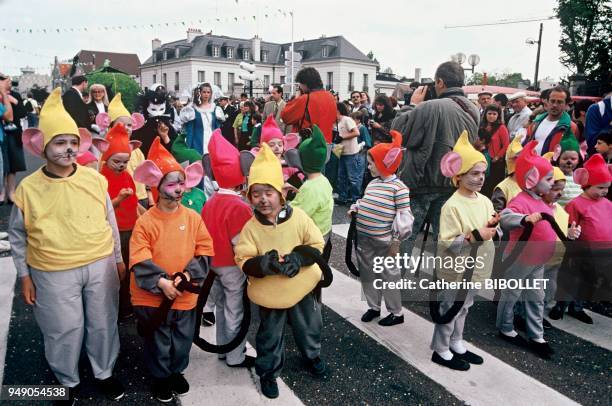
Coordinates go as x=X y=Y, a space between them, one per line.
x=403 y=35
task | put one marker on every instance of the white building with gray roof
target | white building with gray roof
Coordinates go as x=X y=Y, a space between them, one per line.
x=180 y=65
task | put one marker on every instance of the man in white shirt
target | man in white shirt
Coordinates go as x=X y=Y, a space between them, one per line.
x=521 y=115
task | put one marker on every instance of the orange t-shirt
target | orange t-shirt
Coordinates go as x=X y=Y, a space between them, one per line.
x=170 y=240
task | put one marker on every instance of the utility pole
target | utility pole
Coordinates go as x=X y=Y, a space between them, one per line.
x=535 y=80
x=292 y=61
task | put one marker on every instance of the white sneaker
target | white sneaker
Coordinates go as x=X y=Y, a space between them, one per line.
x=3 y=235
x=5 y=246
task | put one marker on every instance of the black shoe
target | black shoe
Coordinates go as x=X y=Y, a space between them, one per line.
x=391 y=320
x=317 y=366
x=543 y=350
x=556 y=313
x=162 y=390
x=208 y=319
x=516 y=340
x=455 y=363
x=546 y=324
x=71 y=398
x=370 y=315
x=111 y=388
x=249 y=362
x=520 y=323
x=269 y=388
x=178 y=384
x=580 y=315
x=469 y=356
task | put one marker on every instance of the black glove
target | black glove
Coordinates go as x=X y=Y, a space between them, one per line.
x=291 y=264
x=262 y=265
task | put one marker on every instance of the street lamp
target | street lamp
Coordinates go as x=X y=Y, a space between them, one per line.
x=473 y=60
x=530 y=41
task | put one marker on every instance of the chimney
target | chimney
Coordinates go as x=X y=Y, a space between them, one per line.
x=256 y=48
x=192 y=33
x=417 y=74
x=155 y=44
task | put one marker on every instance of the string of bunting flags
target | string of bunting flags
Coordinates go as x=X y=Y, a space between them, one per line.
x=57 y=30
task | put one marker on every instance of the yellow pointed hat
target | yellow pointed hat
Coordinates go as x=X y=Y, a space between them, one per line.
x=116 y=108
x=511 y=153
x=54 y=119
x=266 y=169
x=558 y=174
x=469 y=155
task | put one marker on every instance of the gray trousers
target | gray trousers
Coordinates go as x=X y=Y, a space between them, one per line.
x=444 y=334
x=306 y=323
x=229 y=308
x=166 y=351
x=533 y=301
x=72 y=303
x=367 y=249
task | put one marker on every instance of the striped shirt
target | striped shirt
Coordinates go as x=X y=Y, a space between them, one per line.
x=382 y=199
x=570 y=191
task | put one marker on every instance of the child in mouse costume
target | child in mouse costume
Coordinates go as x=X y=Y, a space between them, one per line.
x=116 y=154
x=282 y=278
x=66 y=250
x=467 y=218
x=169 y=239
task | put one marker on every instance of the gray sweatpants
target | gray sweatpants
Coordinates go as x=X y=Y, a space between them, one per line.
x=306 y=324
x=533 y=301
x=166 y=351
x=367 y=249
x=229 y=287
x=444 y=334
x=72 y=303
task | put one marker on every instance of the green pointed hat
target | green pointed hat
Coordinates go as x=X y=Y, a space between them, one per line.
x=313 y=151
x=569 y=143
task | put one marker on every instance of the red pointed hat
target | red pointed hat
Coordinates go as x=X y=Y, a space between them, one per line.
x=225 y=161
x=595 y=171
x=118 y=142
x=528 y=159
x=387 y=156
x=270 y=130
x=162 y=158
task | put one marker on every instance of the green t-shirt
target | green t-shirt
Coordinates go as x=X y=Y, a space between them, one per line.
x=315 y=198
x=194 y=199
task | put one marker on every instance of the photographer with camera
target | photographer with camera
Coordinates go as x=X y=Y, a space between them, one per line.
x=429 y=131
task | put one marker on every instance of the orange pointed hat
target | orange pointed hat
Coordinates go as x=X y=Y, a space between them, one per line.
x=163 y=158
x=388 y=156
x=118 y=142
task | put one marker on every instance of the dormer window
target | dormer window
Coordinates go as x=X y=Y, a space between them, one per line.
x=246 y=54
x=154 y=57
x=325 y=51
x=177 y=53
x=165 y=55
x=264 y=56
x=230 y=53
x=215 y=51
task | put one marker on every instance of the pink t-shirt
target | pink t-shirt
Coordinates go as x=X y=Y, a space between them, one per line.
x=541 y=244
x=593 y=216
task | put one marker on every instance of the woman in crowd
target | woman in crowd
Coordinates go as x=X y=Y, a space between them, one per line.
x=201 y=118
x=381 y=122
x=496 y=139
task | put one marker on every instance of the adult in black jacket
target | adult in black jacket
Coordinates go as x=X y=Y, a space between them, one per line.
x=12 y=148
x=380 y=124
x=74 y=104
x=230 y=112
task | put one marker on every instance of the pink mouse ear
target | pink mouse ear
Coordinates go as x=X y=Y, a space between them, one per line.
x=391 y=156
x=33 y=140
x=291 y=141
x=137 y=121
x=557 y=152
x=532 y=177
x=254 y=151
x=583 y=149
x=450 y=165
x=85 y=140
x=193 y=174
x=100 y=143
x=581 y=176
x=103 y=120
x=148 y=173
x=135 y=144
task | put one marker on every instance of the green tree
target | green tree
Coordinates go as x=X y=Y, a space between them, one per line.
x=116 y=82
x=585 y=41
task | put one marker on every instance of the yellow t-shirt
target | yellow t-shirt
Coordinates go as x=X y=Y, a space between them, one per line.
x=136 y=158
x=65 y=219
x=280 y=291
x=461 y=215
x=510 y=188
